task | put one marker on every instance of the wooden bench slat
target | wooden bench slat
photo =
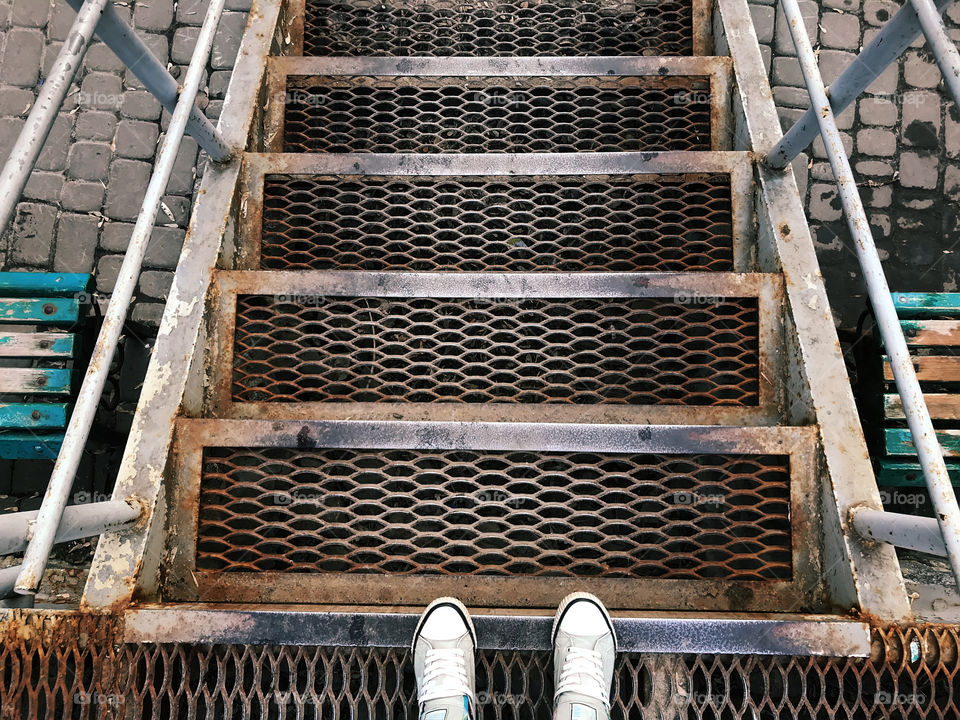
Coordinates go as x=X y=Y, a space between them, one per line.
x=898 y=441
x=36 y=381
x=33 y=415
x=41 y=345
x=39 y=310
x=897 y=473
x=30 y=446
x=942 y=406
x=39 y=283
x=931 y=333
x=917 y=305
x=930 y=368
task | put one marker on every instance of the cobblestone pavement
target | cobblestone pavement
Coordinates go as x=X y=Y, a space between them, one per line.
x=81 y=201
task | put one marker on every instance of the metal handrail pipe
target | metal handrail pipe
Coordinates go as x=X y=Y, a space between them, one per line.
x=904 y=531
x=888 y=45
x=26 y=150
x=134 y=53
x=78 y=430
x=78 y=521
x=918 y=418
x=944 y=51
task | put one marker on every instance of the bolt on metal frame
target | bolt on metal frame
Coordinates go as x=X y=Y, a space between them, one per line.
x=51 y=523
x=892 y=528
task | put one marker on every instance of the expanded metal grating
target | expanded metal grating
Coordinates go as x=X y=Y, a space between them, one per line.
x=512 y=27
x=345 y=114
x=642 y=351
x=553 y=223
x=78 y=667
x=472 y=512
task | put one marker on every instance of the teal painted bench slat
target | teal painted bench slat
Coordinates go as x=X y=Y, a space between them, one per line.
x=33 y=429
x=931 y=325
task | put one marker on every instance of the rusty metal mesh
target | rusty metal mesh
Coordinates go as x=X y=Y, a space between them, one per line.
x=77 y=667
x=643 y=351
x=505 y=27
x=558 y=224
x=345 y=114
x=473 y=512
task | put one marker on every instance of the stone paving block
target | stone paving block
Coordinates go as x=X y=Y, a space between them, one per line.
x=179 y=207
x=89 y=160
x=53 y=156
x=878 y=197
x=156 y=283
x=30 y=13
x=21 y=57
x=878 y=12
x=840 y=31
x=880 y=143
x=100 y=91
x=916 y=239
x=878 y=111
x=786 y=71
x=819 y=151
x=952 y=131
x=219 y=81
x=15 y=101
x=763 y=22
x=766 y=54
x=50 y=52
x=10 y=128
x=850 y=6
x=95 y=125
x=821 y=171
x=100 y=57
x=149 y=314
x=834 y=62
x=226 y=42
x=33 y=232
x=919 y=71
x=920 y=126
x=137 y=139
x=791 y=97
x=184 y=41
x=824 y=202
x=191 y=12
x=153 y=15
x=213 y=110
x=126 y=188
x=82 y=195
x=43 y=186
x=108 y=269
x=140 y=105
x=61 y=20
x=76 y=243
x=183 y=174
x=874 y=168
x=918 y=171
x=163 y=250
x=783 y=44
x=242 y=5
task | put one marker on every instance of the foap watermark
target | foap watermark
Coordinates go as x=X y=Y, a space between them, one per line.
x=299 y=97
x=296 y=496
x=488 y=697
x=493 y=98
x=301 y=300
x=83 y=497
x=99 y=100
x=688 y=497
x=898 y=497
x=692 y=97
x=900 y=700
x=695 y=297
x=497 y=496
x=98 y=698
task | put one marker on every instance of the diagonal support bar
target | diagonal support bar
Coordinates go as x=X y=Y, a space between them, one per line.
x=918 y=418
x=943 y=48
x=889 y=44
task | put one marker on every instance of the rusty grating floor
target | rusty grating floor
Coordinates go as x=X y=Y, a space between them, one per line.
x=505 y=27
x=77 y=666
x=499 y=224
x=359 y=114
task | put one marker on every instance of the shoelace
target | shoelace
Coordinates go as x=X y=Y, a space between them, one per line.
x=582 y=672
x=445 y=675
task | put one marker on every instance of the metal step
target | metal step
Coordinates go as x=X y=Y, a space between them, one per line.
x=689 y=343
x=502 y=28
x=498 y=514
x=497 y=105
x=516 y=213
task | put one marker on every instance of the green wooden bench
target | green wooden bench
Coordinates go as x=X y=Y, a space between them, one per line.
x=931 y=325
x=37 y=311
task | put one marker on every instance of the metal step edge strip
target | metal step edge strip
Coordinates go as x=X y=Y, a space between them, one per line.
x=684 y=287
x=798 y=635
x=503 y=66
x=506 y=436
x=496 y=165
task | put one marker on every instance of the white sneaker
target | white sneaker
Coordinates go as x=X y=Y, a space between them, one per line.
x=584 y=651
x=444 y=645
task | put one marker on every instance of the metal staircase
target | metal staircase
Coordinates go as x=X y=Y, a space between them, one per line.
x=502 y=308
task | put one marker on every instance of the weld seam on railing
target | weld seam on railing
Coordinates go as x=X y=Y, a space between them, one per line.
x=61 y=480
x=918 y=418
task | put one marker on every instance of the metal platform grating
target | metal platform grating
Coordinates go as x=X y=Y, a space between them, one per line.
x=542 y=223
x=575 y=514
x=358 y=114
x=580 y=351
x=77 y=666
x=505 y=27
